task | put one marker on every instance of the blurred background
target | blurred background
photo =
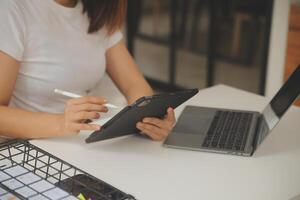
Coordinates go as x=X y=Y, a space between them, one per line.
x=252 y=45
x=200 y=43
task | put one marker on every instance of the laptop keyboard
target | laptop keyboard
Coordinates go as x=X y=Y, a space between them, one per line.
x=229 y=131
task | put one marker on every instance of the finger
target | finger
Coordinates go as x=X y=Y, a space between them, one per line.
x=157 y=122
x=171 y=115
x=152 y=131
x=151 y=135
x=88 y=99
x=90 y=107
x=85 y=115
x=85 y=127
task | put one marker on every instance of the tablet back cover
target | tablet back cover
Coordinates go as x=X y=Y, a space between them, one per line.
x=124 y=123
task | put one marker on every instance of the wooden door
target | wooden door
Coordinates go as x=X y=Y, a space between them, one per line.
x=293 y=44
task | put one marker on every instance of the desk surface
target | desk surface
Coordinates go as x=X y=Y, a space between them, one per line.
x=149 y=171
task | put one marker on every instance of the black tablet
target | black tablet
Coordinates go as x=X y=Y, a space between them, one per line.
x=124 y=123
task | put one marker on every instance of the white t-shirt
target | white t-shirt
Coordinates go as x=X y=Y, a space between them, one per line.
x=55 y=51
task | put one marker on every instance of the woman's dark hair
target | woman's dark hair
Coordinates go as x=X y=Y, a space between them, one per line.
x=105 y=13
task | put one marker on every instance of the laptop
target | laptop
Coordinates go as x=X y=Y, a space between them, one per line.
x=228 y=131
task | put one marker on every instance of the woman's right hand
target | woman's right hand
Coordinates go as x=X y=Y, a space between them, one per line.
x=80 y=110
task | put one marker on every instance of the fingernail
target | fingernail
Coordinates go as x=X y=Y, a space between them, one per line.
x=104 y=100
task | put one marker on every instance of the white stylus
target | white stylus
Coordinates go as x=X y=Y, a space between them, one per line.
x=72 y=95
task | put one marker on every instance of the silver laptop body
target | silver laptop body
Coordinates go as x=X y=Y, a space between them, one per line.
x=195 y=125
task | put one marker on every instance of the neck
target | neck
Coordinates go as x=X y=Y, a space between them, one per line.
x=67 y=3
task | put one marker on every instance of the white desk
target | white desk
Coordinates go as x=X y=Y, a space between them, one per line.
x=149 y=171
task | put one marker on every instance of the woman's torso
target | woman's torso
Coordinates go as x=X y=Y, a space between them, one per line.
x=58 y=53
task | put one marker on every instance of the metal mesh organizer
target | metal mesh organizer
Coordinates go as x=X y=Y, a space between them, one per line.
x=29 y=172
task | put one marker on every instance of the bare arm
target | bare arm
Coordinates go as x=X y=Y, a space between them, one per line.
x=125 y=73
x=15 y=122
x=18 y=123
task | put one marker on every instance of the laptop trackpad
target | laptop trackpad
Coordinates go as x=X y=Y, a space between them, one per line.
x=192 y=124
x=191 y=127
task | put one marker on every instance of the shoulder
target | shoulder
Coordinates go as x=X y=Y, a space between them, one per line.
x=114 y=38
x=14 y=11
x=15 y=8
x=8 y=6
x=11 y=9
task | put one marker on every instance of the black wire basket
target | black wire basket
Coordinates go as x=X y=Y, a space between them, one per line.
x=28 y=172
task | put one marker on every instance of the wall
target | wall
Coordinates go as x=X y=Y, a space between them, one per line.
x=296 y=1
x=278 y=41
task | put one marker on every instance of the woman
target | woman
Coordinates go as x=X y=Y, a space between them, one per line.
x=65 y=44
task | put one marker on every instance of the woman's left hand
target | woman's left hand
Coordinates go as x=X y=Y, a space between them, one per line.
x=158 y=129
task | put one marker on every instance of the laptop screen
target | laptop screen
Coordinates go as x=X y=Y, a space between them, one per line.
x=287 y=94
x=284 y=98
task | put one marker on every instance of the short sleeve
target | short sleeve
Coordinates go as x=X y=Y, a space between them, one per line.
x=11 y=30
x=114 y=39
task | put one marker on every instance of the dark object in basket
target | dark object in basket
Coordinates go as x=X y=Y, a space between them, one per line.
x=54 y=171
x=90 y=188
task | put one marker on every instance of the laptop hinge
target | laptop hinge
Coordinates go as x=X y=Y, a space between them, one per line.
x=256 y=133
